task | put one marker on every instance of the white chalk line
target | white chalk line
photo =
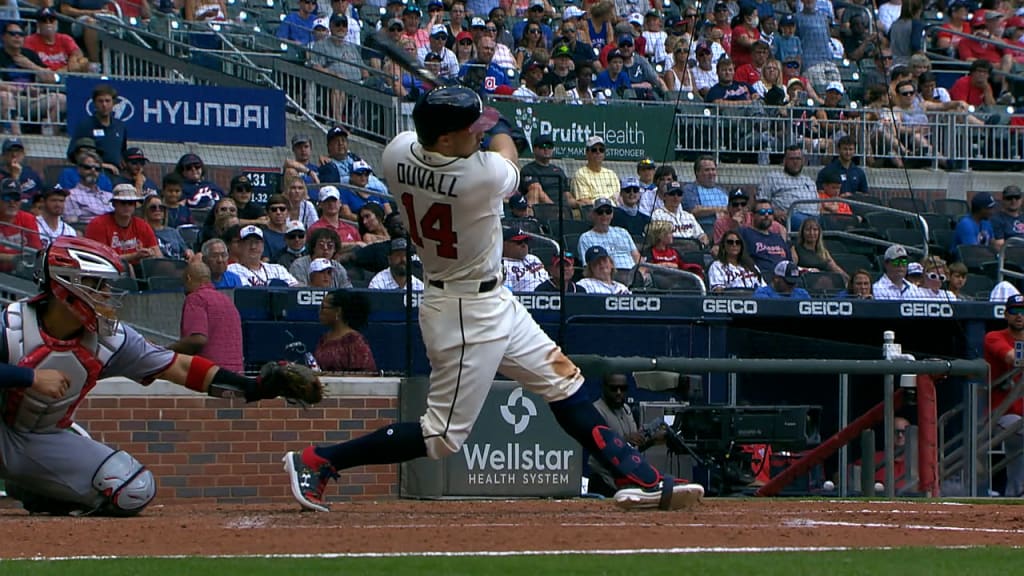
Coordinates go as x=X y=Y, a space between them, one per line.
x=489 y=553
x=813 y=523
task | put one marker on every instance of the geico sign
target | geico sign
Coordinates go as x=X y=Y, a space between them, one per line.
x=729 y=306
x=926 y=309
x=635 y=304
x=825 y=308
x=540 y=301
x=310 y=297
x=999 y=310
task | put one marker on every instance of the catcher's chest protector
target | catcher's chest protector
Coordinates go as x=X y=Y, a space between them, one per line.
x=81 y=360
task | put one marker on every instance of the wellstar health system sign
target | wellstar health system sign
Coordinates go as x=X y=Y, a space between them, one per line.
x=630 y=132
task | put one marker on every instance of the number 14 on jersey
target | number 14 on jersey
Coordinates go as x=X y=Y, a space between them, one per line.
x=435 y=224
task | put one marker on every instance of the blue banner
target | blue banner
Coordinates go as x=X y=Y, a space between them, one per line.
x=168 y=112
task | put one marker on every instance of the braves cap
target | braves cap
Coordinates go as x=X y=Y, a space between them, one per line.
x=982 y=200
x=477 y=23
x=51 y=191
x=135 y=154
x=241 y=181
x=438 y=30
x=518 y=202
x=510 y=234
x=250 y=230
x=320 y=265
x=738 y=193
x=787 y=20
x=636 y=18
x=12 y=143
x=361 y=167
x=399 y=244
x=602 y=202
x=571 y=12
x=626 y=40
x=542 y=140
x=433 y=57
x=294 y=226
x=835 y=86
x=595 y=253
x=301 y=139
x=336 y=131
x=787 y=271
x=320 y=23
x=9 y=189
x=915 y=269
x=329 y=193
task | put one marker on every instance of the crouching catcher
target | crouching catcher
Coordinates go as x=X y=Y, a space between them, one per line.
x=56 y=346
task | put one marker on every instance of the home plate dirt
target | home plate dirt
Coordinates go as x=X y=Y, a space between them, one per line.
x=413 y=526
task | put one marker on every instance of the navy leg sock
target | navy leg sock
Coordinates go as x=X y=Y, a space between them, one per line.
x=392 y=444
x=578 y=417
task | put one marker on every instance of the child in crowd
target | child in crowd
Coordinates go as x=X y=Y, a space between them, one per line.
x=177 y=212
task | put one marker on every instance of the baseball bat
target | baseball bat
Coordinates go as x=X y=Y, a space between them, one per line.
x=405 y=61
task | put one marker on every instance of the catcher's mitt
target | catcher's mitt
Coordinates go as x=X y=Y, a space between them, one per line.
x=291 y=381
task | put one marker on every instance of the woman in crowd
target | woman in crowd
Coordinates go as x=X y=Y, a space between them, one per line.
x=196 y=191
x=343 y=348
x=771 y=78
x=531 y=41
x=171 y=243
x=734 y=268
x=321 y=243
x=678 y=77
x=935 y=275
x=859 y=286
x=223 y=216
x=464 y=51
x=300 y=208
x=809 y=251
x=371 y=224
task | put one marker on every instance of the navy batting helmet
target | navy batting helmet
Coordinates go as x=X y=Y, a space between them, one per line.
x=450 y=109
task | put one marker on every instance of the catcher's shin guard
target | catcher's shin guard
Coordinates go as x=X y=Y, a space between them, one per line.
x=626 y=460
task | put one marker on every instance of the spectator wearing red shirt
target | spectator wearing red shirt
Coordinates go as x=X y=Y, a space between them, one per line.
x=987 y=25
x=59 y=52
x=974 y=88
x=661 y=252
x=750 y=73
x=957 y=23
x=122 y=230
x=1000 y=356
x=744 y=36
x=330 y=204
x=17 y=227
x=210 y=324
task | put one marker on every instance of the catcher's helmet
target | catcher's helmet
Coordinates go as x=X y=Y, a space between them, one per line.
x=450 y=109
x=79 y=273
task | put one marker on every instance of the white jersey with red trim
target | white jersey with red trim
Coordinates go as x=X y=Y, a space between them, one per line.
x=84 y=360
x=452 y=207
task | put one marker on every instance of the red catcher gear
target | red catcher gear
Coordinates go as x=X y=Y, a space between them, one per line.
x=79 y=273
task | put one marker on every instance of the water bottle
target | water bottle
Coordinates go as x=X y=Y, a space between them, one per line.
x=311 y=361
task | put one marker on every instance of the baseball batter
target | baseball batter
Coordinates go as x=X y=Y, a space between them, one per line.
x=450 y=194
x=56 y=345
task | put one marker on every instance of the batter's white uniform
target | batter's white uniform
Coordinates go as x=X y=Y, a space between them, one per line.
x=473 y=326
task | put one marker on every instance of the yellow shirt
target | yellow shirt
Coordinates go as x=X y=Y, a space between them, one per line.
x=588 y=185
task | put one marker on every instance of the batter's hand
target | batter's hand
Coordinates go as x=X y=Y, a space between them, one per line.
x=51 y=383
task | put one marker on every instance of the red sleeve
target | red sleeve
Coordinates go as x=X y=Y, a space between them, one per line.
x=67 y=44
x=959 y=89
x=362 y=356
x=639 y=45
x=98 y=231
x=966 y=49
x=28 y=221
x=996 y=347
x=604 y=53
x=146 y=234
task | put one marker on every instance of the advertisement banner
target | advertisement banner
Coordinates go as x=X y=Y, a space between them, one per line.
x=630 y=132
x=168 y=112
x=516 y=448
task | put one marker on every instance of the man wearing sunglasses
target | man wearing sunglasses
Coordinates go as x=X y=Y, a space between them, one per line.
x=627 y=214
x=593 y=180
x=1001 y=357
x=766 y=247
x=540 y=180
x=132 y=172
x=86 y=200
x=297 y=26
x=893 y=285
x=616 y=242
x=17 y=227
x=1009 y=221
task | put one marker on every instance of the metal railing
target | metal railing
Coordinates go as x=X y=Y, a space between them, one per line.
x=868 y=207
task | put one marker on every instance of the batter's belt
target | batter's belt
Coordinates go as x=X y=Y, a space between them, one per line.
x=467 y=286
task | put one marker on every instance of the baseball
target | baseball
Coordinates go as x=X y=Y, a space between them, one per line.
x=879 y=487
x=828 y=486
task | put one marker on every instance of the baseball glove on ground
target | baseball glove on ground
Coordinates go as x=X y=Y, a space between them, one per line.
x=290 y=381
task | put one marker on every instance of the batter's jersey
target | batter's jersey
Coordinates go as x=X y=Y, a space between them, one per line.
x=451 y=206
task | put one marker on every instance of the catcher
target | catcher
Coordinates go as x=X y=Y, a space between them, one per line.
x=57 y=344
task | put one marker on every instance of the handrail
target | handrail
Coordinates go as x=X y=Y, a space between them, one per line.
x=1015 y=242
x=594 y=364
x=869 y=205
x=673 y=271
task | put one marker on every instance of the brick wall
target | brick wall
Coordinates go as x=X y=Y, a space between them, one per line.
x=207 y=449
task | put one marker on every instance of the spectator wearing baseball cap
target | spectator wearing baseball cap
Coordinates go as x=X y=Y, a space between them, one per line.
x=69 y=176
x=302 y=159
x=593 y=180
x=132 y=172
x=560 y=268
x=614 y=77
x=12 y=165
x=363 y=188
x=684 y=224
x=59 y=52
x=339 y=158
x=599 y=273
x=561 y=72
x=893 y=285
x=1008 y=222
x=535 y=14
x=250 y=266
x=16 y=225
x=784 y=283
x=330 y=208
x=614 y=240
x=999 y=352
x=975 y=229
x=50 y=219
x=412 y=18
x=787 y=45
x=294 y=243
x=627 y=214
x=520 y=216
x=274 y=218
x=437 y=44
x=522 y=271
x=196 y=190
x=395 y=276
x=129 y=235
x=956 y=21
x=541 y=180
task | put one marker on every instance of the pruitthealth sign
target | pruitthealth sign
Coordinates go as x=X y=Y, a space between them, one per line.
x=630 y=132
x=516 y=448
x=169 y=112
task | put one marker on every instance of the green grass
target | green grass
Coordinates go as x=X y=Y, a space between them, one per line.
x=902 y=562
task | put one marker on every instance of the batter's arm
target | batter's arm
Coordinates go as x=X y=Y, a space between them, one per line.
x=503 y=144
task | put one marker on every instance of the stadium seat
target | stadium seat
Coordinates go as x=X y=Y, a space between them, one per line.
x=937 y=221
x=191 y=234
x=823 y=284
x=163 y=267
x=543 y=250
x=165 y=283
x=548 y=213
x=915 y=205
x=906 y=236
x=978 y=286
x=841 y=222
x=570 y=243
x=951 y=206
x=882 y=221
x=1014 y=255
x=570 y=227
x=974 y=257
x=853 y=262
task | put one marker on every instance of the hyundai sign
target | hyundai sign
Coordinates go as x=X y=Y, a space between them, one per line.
x=186 y=113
